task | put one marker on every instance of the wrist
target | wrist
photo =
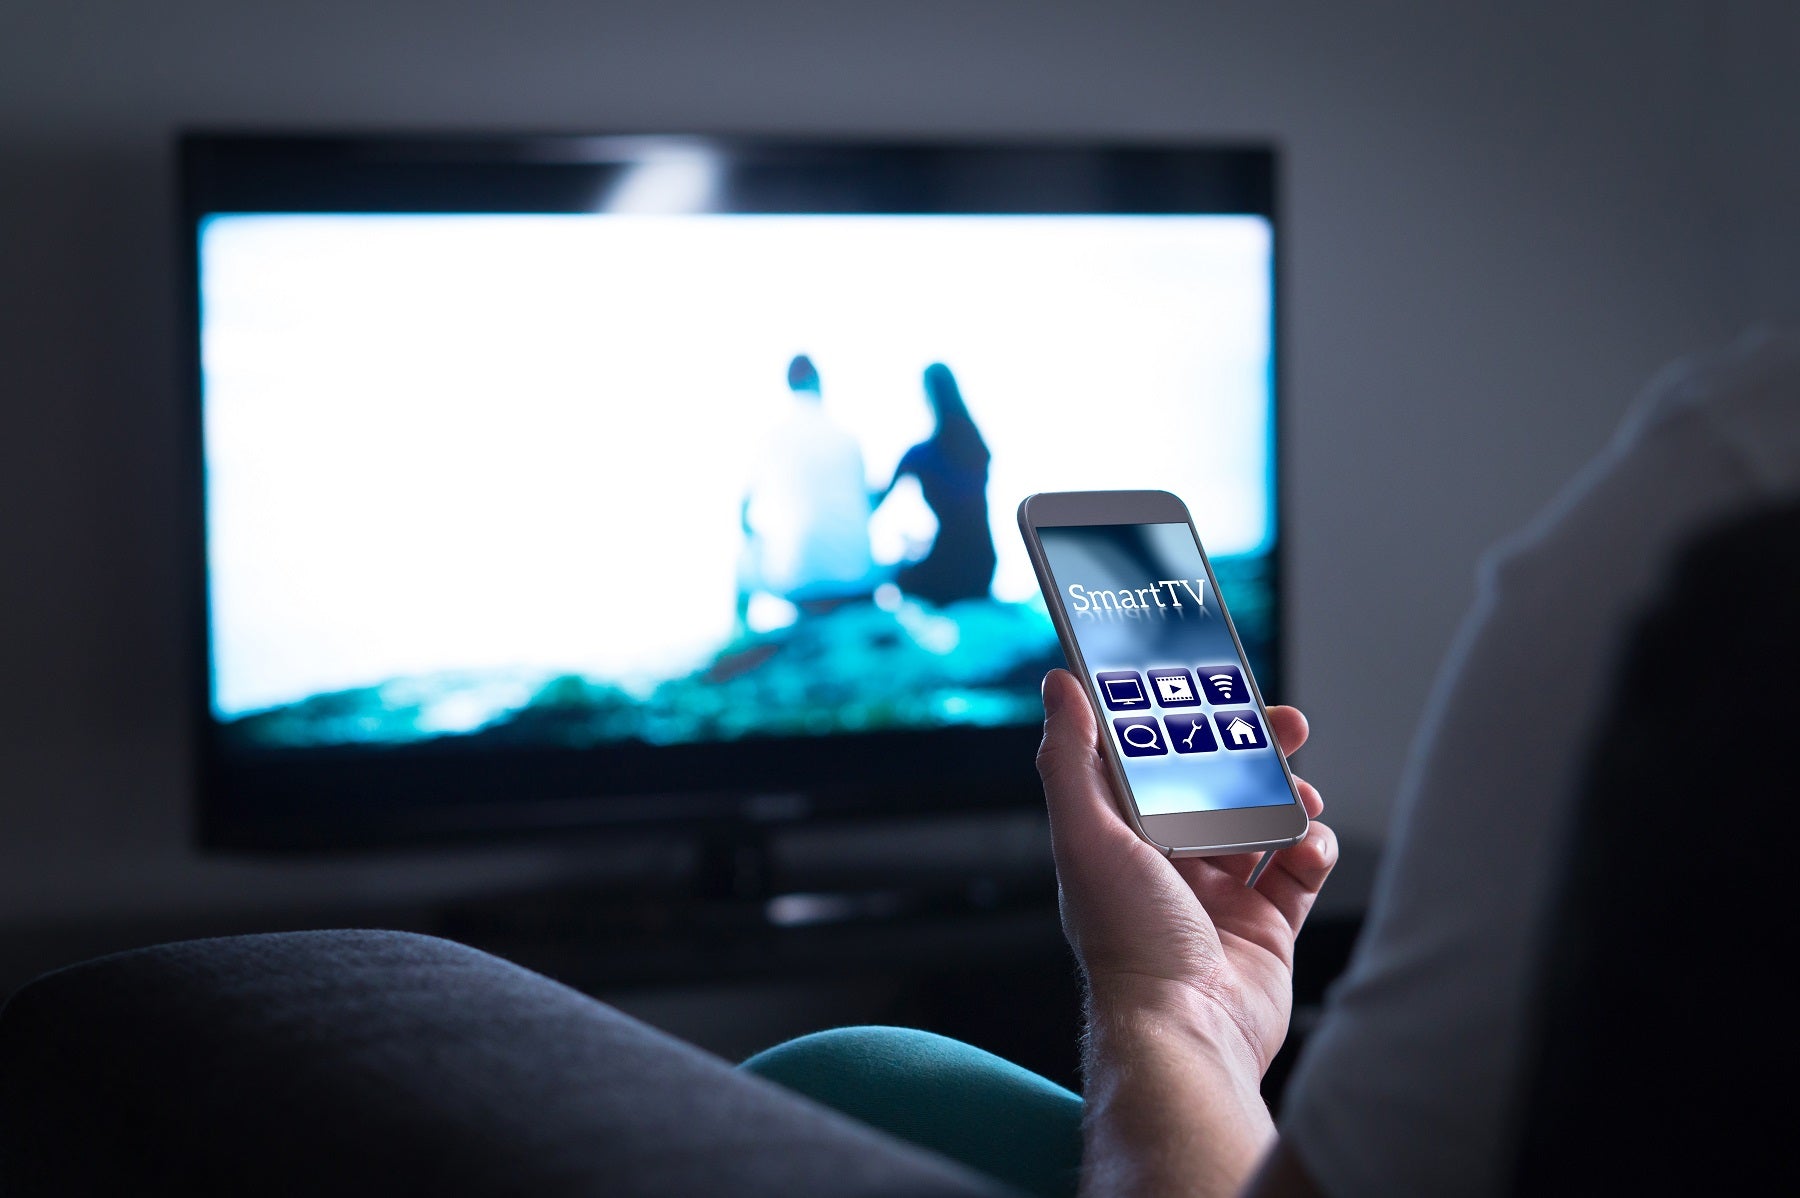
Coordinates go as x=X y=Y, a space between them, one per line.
x=1189 y=1020
x=1174 y=1100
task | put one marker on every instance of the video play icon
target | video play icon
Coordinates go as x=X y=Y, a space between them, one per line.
x=1174 y=688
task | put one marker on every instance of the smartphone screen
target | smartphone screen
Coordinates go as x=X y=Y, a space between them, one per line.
x=1175 y=696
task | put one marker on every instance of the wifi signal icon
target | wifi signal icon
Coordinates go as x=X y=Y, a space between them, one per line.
x=1223 y=684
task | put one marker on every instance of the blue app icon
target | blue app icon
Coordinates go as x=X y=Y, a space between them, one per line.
x=1174 y=688
x=1122 y=690
x=1240 y=729
x=1223 y=685
x=1191 y=733
x=1140 y=736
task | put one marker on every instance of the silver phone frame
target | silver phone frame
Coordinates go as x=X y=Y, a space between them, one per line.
x=1205 y=833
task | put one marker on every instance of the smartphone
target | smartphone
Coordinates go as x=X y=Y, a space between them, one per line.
x=1195 y=768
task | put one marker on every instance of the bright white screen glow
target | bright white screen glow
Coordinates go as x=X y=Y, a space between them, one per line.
x=513 y=442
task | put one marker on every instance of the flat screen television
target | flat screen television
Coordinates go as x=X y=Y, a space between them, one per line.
x=544 y=482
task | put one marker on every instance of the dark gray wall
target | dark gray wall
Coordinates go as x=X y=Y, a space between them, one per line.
x=1502 y=219
x=1756 y=156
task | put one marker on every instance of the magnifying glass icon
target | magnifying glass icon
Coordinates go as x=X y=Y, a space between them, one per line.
x=1149 y=741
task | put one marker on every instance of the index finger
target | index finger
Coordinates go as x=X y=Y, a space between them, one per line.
x=1289 y=726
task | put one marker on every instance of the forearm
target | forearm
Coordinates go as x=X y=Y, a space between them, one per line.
x=1173 y=1102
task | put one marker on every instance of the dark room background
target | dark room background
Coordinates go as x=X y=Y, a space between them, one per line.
x=1500 y=220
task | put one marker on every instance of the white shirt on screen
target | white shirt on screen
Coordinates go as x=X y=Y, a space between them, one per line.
x=1412 y=1081
x=808 y=510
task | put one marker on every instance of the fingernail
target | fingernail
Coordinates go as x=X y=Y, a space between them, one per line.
x=1052 y=698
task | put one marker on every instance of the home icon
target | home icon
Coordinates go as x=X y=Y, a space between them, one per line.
x=1240 y=730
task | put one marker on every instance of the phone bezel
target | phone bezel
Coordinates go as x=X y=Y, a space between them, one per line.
x=1177 y=834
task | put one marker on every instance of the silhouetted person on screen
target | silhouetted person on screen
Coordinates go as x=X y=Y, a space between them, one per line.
x=806 y=516
x=952 y=469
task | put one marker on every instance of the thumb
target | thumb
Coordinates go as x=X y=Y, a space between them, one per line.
x=1076 y=785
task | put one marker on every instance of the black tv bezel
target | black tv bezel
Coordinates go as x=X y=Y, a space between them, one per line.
x=354 y=798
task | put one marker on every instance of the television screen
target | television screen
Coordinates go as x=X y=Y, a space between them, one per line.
x=654 y=475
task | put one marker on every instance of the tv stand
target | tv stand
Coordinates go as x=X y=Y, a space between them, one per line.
x=746 y=904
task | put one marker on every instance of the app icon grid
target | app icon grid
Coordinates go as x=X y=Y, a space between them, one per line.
x=1183 y=694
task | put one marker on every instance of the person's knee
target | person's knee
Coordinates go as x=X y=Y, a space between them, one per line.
x=953 y=1098
x=837 y=1052
x=851 y=1067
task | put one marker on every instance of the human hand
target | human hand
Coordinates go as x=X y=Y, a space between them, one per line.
x=1187 y=934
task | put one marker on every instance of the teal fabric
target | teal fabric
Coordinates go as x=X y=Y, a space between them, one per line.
x=941 y=1094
